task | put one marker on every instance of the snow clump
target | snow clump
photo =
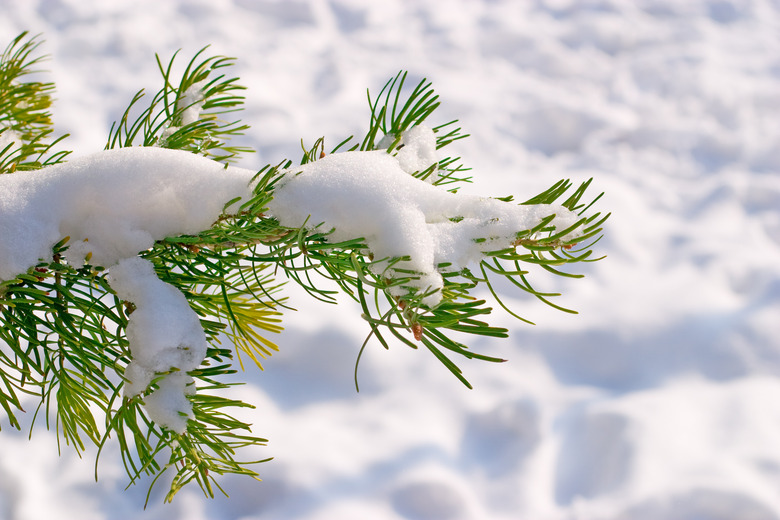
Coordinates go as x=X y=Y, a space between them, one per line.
x=164 y=334
x=372 y=195
x=418 y=152
x=112 y=205
x=190 y=104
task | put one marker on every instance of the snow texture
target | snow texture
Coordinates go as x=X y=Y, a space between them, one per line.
x=372 y=195
x=418 y=151
x=112 y=204
x=661 y=399
x=165 y=335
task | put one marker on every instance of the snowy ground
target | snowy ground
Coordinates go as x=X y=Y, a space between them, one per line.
x=661 y=399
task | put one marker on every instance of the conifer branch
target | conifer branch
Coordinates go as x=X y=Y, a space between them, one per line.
x=25 y=121
x=64 y=328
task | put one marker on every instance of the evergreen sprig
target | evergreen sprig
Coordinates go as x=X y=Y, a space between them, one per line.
x=440 y=328
x=63 y=329
x=186 y=115
x=25 y=121
x=394 y=111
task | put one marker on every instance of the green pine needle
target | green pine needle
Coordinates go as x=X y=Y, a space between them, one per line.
x=63 y=329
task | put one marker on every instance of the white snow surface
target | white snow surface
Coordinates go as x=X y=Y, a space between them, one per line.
x=372 y=195
x=112 y=204
x=661 y=399
x=418 y=151
x=165 y=335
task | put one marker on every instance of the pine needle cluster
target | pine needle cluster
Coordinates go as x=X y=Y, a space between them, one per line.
x=63 y=329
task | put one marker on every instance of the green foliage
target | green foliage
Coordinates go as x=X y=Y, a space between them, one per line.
x=438 y=329
x=186 y=115
x=25 y=123
x=394 y=111
x=62 y=329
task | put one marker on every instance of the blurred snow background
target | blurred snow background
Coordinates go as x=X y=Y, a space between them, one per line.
x=661 y=399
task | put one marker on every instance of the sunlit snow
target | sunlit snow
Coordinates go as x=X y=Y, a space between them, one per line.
x=164 y=334
x=373 y=196
x=114 y=204
x=659 y=400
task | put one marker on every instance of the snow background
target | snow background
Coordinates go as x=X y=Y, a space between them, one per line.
x=659 y=400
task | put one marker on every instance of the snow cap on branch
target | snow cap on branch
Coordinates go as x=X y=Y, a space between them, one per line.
x=114 y=204
x=418 y=152
x=111 y=204
x=371 y=195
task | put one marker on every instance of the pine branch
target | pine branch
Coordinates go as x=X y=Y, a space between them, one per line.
x=300 y=252
x=64 y=328
x=25 y=122
x=186 y=115
x=66 y=335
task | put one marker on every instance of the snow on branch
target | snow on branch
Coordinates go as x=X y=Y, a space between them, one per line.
x=112 y=205
x=122 y=272
x=372 y=195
